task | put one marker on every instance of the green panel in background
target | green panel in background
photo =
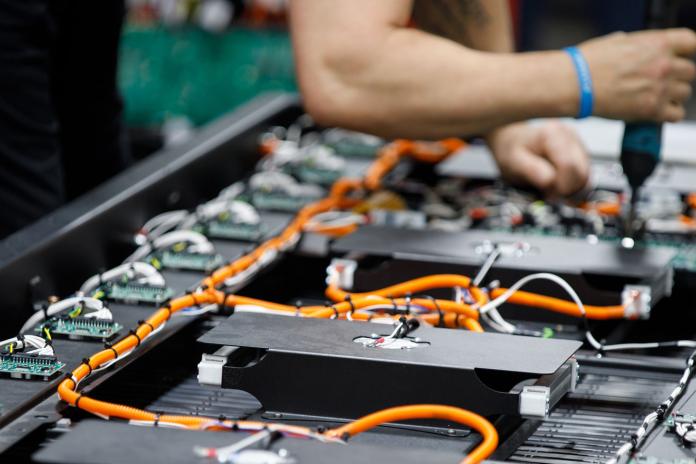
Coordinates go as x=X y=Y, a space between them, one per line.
x=186 y=71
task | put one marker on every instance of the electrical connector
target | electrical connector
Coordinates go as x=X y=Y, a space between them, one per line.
x=534 y=401
x=637 y=301
x=341 y=272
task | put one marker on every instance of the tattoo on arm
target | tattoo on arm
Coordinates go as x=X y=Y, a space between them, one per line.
x=449 y=18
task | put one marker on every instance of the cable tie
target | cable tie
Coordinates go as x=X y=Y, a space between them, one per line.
x=69 y=376
x=223 y=304
x=222 y=418
x=85 y=361
x=77 y=400
x=155 y=422
x=349 y=299
x=109 y=346
x=441 y=314
x=193 y=297
x=396 y=307
x=135 y=334
x=408 y=303
x=168 y=307
x=142 y=322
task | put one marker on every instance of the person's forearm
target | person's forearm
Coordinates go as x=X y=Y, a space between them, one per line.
x=437 y=87
x=484 y=25
x=480 y=25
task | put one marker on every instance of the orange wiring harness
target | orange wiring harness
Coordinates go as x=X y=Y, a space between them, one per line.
x=442 y=312
x=427 y=411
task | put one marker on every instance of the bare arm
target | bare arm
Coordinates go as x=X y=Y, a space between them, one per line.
x=480 y=25
x=360 y=67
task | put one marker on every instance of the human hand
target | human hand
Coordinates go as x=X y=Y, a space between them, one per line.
x=642 y=75
x=549 y=157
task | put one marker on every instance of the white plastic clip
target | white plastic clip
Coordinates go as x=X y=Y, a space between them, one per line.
x=340 y=273
x=636 y=300
x=534 y=401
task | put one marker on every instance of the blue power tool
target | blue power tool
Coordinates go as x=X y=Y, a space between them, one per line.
x=642 y=141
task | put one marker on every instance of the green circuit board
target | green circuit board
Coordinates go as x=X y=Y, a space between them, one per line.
x=314 y=175
x=230 y=230
x=29 y=366
x=355 y=146
x=80 y=328
x=272 y=201
x=129 y=292
x=183 y=260
x=684 y=260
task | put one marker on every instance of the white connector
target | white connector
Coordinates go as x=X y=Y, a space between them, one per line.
x=637 y=300
x=341 y=272
x=534 y=401
x=210 y=369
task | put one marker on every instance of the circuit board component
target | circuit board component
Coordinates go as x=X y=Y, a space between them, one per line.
x=131 y=292
x=224 y=228
x=80 y=328
x=280 y=201
x=29 y=366
x=185 y=260
x=353 y=144
x=278 y=191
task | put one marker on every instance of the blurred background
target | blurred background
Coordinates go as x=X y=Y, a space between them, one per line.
x=186 y=62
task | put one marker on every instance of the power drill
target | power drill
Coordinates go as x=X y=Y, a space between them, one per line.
x=642 y=141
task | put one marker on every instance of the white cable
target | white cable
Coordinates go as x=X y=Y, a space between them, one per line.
x=159 y=225
x=198 y=243
x=261 y=310
x=335 y=219
x=494 y=304
x=239 y=211
x=274 y=180
x=647 y=346
x=243 y=276
x=97 y=306
x=31 y=344
x=170 y=425
x=122 y=356
x=193 y=311
x=144 y=273
x=628 y=448
x=232 y=192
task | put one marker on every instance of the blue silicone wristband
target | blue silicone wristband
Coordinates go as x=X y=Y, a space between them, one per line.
x=584 y=81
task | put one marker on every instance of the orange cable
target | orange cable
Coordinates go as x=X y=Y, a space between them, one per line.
x=427 y=411
x=561 y=306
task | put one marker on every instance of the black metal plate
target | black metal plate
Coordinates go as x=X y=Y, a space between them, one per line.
x=457 y=349
x=93 y=442
x=552 y=254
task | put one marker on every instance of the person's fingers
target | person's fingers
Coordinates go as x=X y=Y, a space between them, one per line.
x=678 y=91
x=564 y=150
x=529 y=168
x=672 y=112
x=682 y=41
x=683 y=69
